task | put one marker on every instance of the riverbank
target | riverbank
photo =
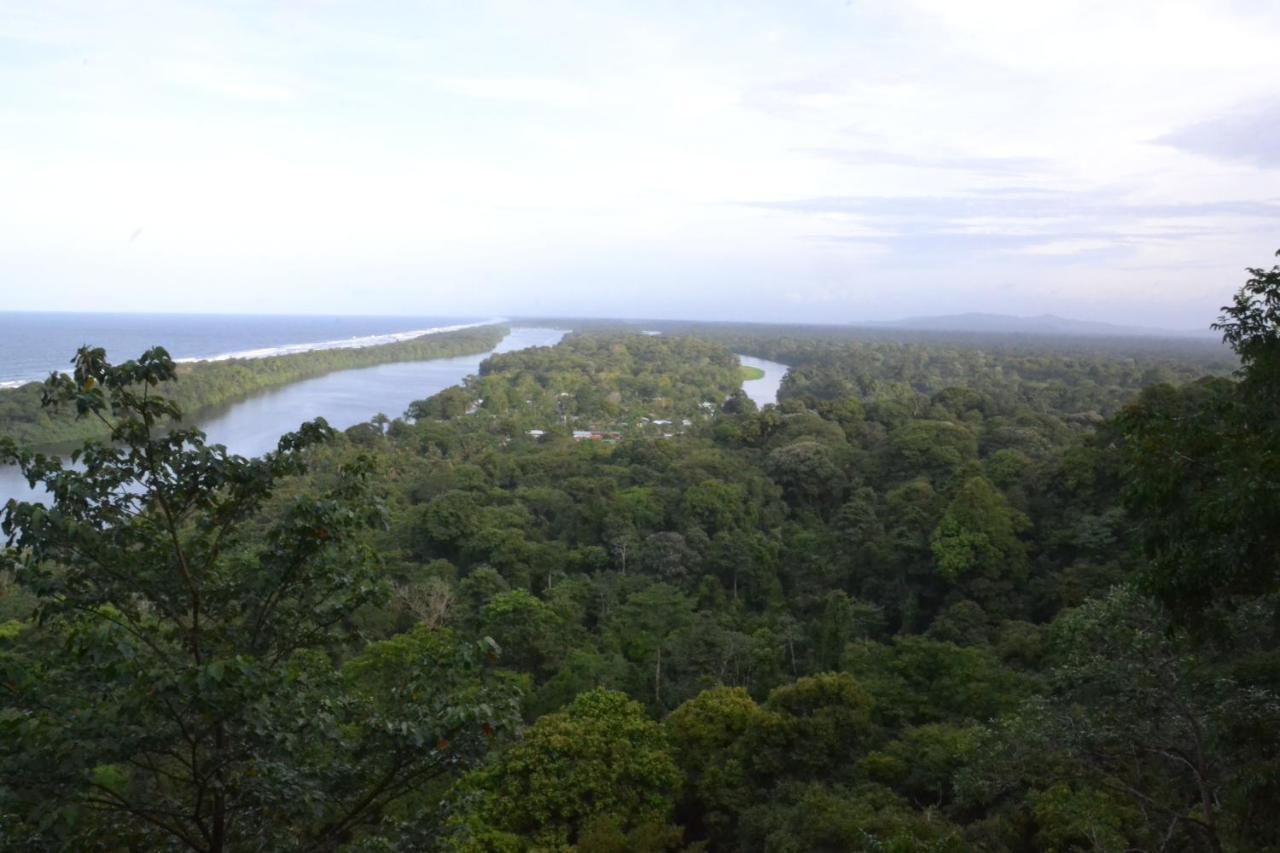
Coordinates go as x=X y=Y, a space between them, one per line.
x=252 y=426
x=211 y=385
x=762 y=388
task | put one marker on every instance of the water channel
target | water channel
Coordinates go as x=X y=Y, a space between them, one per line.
x=252 y=426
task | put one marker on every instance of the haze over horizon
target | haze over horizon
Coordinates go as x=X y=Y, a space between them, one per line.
x=822 y=162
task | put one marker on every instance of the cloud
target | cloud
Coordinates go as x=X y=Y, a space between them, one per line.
x=1018 y=204
x=924 y=247
x=229 y=82
x=699 y=161
x=997 y=226
x=1251 y=135
x=982 y=165
x=543 y=92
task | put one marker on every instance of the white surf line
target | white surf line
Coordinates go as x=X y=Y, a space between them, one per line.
x=344 y=343
x=290 y=349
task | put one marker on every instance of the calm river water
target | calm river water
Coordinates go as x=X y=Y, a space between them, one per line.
x=252 y=427
x=765 y=389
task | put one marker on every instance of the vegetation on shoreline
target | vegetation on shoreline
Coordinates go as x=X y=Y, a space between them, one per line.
x=939 y=598
x=750 y=373
x=203 y=385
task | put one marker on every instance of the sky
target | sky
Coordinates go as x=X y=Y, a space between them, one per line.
x=778 y=161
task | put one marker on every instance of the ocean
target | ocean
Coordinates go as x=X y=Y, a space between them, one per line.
x=32 y=344
x=253 y=426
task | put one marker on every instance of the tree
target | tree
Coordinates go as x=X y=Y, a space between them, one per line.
x=843 y=620
x=976 y=546
x=177 y=687
x=935 y=449
x=522 y=623
x=917 y=680
x=923 y=762
x=807 y=474
x=1201 y=466
x=1251 y=327
x=448 y=520
x=599 y=758
x=826 y=726
x=804 y=817
x=666 y=555
x=646 y=625
x=715 y=505
x=979 y=533
x=714 y=734
x=1135 y=713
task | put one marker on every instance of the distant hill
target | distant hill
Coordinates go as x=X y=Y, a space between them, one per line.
x=1044 y=324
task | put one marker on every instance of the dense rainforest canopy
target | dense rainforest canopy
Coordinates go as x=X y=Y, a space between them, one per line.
x=944 y=596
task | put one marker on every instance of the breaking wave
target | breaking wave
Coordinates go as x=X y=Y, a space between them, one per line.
x=343 y=343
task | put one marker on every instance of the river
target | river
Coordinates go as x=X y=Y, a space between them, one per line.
x=252 y=426
x=765 y=389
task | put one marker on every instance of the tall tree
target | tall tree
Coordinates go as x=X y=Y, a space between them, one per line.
x=601 y=759
x=178 y=685
x=1203 y=468
x=1134 y=713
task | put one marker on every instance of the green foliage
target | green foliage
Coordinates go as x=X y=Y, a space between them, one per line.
x=1251 y=327
x=1201 y=466
x=936 y=448
x=601 y=757
x=205 y=385
x=879 y=615
x=918 y=680
x=713 y=734
x=178 y=686
x=603 y=381
x=810 y=817
x=807 y=474
x=922 y=764
x=1138 y=716
x=1071 y=818
x=978 y=532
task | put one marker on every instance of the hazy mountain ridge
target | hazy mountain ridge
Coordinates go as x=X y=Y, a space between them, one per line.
x=1042 y=324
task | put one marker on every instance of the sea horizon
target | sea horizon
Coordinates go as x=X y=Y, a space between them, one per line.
x=35 y=343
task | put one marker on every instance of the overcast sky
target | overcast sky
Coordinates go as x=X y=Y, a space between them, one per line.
x=820 y=161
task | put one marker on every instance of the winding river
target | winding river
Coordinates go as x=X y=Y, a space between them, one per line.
x=252 y=426
x=765 y=389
